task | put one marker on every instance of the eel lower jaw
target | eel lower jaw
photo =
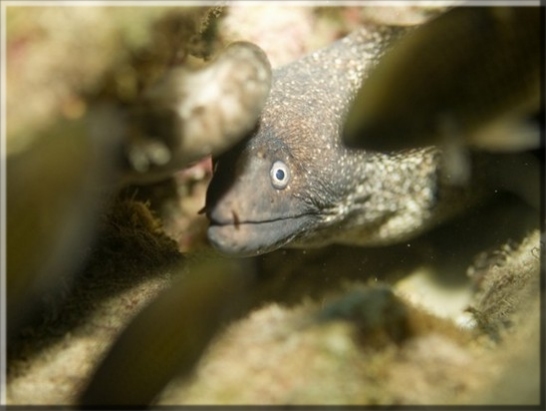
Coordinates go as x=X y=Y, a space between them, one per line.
x=246 y=239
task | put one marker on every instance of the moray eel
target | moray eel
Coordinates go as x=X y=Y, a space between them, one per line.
x=293 y=183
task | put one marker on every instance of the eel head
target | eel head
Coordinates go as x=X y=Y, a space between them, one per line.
x=258 y=199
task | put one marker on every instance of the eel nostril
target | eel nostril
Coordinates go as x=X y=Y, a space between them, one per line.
x=235 y=219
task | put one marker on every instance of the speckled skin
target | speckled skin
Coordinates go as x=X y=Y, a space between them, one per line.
x=335 y=194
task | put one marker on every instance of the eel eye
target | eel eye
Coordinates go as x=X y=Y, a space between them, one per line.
x=280 y=175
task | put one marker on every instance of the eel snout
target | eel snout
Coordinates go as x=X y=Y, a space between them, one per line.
x=247 y=216
x=233 y=232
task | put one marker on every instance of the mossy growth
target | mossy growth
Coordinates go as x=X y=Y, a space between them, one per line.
x=507 y=282
x=129 y=235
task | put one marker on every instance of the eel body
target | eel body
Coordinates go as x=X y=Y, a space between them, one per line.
x=293 y=182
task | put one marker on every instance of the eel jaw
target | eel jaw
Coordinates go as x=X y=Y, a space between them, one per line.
x=246 y=239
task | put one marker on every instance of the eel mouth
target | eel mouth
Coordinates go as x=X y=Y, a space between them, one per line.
x=251 y=238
